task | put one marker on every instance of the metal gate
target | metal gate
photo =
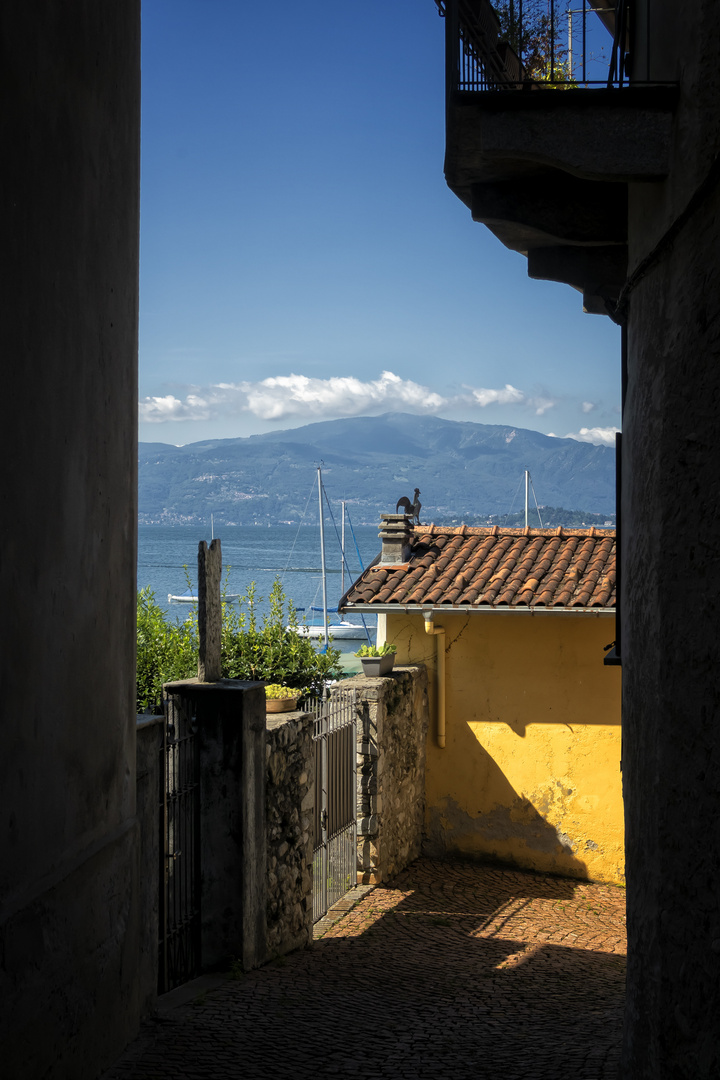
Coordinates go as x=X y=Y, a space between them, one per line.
x=179 y=911
x=335 y=852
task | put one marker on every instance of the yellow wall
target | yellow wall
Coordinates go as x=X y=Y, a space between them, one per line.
x=531 y=770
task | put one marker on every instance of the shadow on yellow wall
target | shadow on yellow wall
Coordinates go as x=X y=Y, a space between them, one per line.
x=506 y=826
x=530 y=771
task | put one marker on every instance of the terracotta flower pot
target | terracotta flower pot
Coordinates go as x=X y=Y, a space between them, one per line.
x=281 y=704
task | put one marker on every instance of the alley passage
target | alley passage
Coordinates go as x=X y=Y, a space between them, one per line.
x=451 y=971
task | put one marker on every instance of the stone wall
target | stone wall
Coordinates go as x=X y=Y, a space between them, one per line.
x=392 y=730
x=69 y=917
x=289 y=802
x=150 y=737
x=230 y=718
x=671 y=575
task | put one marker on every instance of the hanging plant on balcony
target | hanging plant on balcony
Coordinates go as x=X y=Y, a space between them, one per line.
x=534 y=31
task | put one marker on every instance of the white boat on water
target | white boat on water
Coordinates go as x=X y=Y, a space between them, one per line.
x=190 y=597
x=338 y=630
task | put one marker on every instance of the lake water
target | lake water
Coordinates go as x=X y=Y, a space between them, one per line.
x=259 y=554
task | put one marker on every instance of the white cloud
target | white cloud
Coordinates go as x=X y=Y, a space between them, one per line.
x=599 y=436
x=302 y=398
x=588 y=406
x=156 y=410
x=281 y=396
x=509 y=395
x=284 y=395
x=541 y=405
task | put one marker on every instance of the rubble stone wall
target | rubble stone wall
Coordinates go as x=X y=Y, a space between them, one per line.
x=289 y=802
x=392 y=729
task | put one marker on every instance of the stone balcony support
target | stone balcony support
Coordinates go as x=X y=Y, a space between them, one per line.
x=547 y=171
x=618 y=136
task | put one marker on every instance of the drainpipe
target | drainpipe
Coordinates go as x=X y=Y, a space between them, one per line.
x=439 y=633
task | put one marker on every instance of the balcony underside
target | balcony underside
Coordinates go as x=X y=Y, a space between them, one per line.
x=547 y=172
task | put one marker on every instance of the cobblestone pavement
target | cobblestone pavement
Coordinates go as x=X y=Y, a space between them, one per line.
x=453 y=970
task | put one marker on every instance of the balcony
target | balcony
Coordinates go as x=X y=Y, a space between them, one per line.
x=549 y=118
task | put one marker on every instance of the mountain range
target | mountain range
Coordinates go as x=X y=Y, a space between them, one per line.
x=465 y=472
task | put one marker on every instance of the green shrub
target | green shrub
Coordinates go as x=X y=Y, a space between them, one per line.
x=267 y=649
x=272 y=650
x=165 y=651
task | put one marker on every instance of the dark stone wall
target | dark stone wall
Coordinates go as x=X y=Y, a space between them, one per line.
x=69 y=128
x=230 y=718
x=150 y=745
x=671 y=577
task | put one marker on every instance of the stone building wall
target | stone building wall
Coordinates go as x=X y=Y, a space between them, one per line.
x=150 y=737
x=671 y=574
x=69 y=920
x=289 y=802
x=392 y=730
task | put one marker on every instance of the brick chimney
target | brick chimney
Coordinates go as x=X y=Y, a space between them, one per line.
x=395 y=535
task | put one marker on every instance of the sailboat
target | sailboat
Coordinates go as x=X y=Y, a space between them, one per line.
x=341 y=628
x=190 y=595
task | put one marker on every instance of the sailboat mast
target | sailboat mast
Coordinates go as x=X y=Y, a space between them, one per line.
x=527 y=495
x=322 y=557
x=342 y=553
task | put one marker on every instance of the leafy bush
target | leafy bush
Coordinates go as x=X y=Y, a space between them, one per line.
x=165 y=651
x=273 y=650
x=252 y=649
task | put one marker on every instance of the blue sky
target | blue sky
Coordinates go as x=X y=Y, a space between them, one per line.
x=302 y=258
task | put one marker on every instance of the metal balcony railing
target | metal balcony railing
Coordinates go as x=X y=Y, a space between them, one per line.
x=533 y=44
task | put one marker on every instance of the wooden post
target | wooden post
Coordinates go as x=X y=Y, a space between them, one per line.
x=209 y=610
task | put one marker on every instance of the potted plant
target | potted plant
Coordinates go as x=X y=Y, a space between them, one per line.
x=377 y=659
x=281 y=698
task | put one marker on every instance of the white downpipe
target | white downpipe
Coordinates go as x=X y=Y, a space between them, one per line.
x=439 y=633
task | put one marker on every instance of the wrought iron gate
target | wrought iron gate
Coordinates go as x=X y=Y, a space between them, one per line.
x=335 y=853
x=179 y=911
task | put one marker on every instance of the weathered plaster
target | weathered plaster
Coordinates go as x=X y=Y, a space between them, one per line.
x=530 y=773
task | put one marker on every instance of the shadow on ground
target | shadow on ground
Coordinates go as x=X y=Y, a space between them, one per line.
x=452 y=971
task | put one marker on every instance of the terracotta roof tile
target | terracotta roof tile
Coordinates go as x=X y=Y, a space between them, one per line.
x=485 y=568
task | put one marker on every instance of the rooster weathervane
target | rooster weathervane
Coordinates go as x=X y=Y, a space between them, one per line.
x=411 y=508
